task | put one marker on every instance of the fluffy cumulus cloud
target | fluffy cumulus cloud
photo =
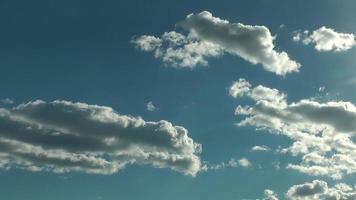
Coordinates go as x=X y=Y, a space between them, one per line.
x=63 y=136
x=318 y=189
x=209 y=36
x=315 y=190
x=321 y=132
x=326 y=39
x=270 y=195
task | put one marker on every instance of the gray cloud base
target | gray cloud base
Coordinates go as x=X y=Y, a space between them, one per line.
x=315 y=190
x=63 y=136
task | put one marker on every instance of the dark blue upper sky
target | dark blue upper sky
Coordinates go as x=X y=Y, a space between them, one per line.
x=81 y=51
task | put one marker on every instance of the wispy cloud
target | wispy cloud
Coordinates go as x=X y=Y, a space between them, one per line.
x=150 y=106
x=7 y=101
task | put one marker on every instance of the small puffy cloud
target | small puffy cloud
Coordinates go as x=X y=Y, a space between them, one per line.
x=148 y=43
x=239 y=88
x=326 y=39
x=318 y=189
x=260 y=148
x=270 y=195
x=210 y=36
x=63 y=136
x=244 y=162
x=322 y=133
x=150 y=106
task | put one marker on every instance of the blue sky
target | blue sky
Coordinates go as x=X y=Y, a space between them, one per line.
x=87 y=51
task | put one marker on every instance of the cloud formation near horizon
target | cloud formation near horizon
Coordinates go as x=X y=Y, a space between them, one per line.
x=210 y=36
x=318 y=189
x=326 y=39
x=321 y=132
x=63 y=136
x=315 y=190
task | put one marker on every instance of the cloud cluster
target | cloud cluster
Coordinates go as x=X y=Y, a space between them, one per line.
x=326 y=39
x=270 y=195
x=321 y=132
x=210 y=36
x=317 y=190
x=63 y=136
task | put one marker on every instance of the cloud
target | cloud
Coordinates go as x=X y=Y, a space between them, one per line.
x=178 y=50
x=260 y=148
x=210 y=36
x=7 y=101
x=232 y=163
x=150 y=106
x=326 y=39
x=239 y=88
x=244 y=162
x=270 y=195
x=321 y=132
x=63 y=136
x=318 y=189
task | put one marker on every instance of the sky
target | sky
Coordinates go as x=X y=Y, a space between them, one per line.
x=163 y=99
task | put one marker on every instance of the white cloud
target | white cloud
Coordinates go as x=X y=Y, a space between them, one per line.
x=150 y=106
x=231 y=163
x=239 y=88
x=210 y=36
x=322 y=89
x=148 y=42
x=270 y=195
x=321 y=132
x=326 y=39
x=178 y=50
x=315 y=190
x=260 y=148
x=244 y=162
x=318 y=189
x=63 y=136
